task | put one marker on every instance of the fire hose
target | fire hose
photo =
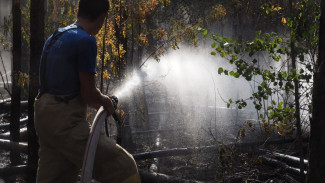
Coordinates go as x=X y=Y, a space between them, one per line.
x=96 y=129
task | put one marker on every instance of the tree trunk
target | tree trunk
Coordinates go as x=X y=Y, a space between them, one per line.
x=121 y=11
x=16 y=67
x=297 y=101
x=36 y=46
x=103 y=57
x=317 y=135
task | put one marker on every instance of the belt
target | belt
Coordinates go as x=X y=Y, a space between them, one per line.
x=64 y=99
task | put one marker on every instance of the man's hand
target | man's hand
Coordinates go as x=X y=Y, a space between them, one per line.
x=109 y=106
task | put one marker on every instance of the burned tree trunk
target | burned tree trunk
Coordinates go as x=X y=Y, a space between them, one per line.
x=16 y=67
x=121 y=43
x=36 y=46
x=293 y=56
x=317 y=135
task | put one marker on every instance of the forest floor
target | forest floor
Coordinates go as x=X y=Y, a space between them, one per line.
x=201 y=166
x=225 y=163
x=243 y=167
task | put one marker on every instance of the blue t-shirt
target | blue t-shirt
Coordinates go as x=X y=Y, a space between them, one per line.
x=74 y=51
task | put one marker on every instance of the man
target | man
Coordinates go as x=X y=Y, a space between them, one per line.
x=67 y=79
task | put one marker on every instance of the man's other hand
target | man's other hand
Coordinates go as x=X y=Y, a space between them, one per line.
x=108 y=106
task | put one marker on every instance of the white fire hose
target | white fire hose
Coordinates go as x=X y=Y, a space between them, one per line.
x=89 y=157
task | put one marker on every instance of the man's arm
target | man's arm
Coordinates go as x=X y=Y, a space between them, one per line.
x=91 y=95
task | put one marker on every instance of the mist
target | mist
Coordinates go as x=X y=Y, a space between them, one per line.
x=184 y=91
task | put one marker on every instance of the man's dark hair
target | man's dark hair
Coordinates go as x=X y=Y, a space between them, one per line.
x=92 y=9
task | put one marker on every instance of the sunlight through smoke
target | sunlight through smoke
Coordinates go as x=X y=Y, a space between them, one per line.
x=193 y=88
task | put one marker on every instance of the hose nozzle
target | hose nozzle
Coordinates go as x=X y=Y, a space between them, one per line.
x=114 y=100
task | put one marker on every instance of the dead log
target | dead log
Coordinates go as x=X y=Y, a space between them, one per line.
x=23 y=135
x=10 y=171
x=5 y=126
x=192 y=150
x=288 y=159
x=155 y=131
x=171 y=152
x=146 y=177
x=17 y=146
x=278 y=164
x=151 y=177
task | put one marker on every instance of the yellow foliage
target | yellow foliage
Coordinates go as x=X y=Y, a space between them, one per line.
x=120 y=112
x=143 y=39
x=106 y=75
x=146 y=7
x=283 y=20
x=22 y=79
x=121 y=51
x=161 y=33
x=89 y=115
x=218 y=12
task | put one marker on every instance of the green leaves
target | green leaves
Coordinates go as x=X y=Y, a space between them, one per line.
x=214 y=44
x=220 y=70
x=205 y=32
x=270 y=81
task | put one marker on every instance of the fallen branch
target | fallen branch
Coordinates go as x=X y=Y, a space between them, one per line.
x=151 y=177
x=23 y=135
x=192 y=150
x=6 y=126
x=278 y=164
x=288 y=159
x=171 y=152
x=10 y=171
x=155 y=131
x=146 y=177
x=17 y=146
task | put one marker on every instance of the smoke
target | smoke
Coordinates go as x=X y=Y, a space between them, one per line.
x=192 y=75
x=5 y=8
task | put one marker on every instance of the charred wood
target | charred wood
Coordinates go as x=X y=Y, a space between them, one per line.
x=288 y=159
x=156 y=131
x=10 y=171
x=5 y=126
x=278 y=164
x=23 y=135
x=171 y=152
x=150 y=177
x=191 y=150
x=17 y=146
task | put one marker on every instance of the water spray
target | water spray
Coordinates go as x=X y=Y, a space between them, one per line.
x=128 y=86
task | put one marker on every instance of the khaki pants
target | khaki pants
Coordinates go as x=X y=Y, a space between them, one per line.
x=63 y=132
